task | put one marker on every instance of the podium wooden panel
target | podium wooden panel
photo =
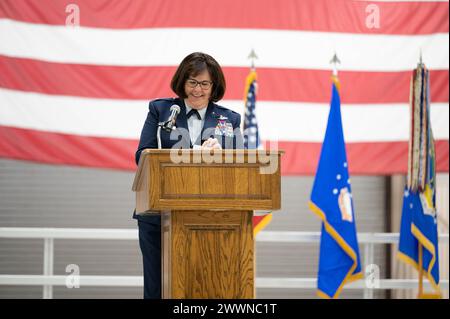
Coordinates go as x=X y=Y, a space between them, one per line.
x=206 y=203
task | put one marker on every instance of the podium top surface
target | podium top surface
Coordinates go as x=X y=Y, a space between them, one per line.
x=188 y=179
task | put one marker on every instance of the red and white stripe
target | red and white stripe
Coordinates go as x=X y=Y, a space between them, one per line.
x=79 y=95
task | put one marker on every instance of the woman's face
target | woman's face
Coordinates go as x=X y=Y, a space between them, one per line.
x=198 y=90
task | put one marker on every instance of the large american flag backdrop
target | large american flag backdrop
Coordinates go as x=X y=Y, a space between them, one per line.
x=78 y=95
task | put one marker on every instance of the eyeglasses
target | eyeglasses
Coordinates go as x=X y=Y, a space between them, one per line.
x=192 y=83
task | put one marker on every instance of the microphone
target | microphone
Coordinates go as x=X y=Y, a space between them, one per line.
x=169 y=125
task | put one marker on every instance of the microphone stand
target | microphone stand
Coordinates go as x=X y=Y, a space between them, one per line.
x=165 y=127
x=158 y=135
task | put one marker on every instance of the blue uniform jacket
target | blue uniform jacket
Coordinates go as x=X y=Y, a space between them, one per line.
x=218 y=122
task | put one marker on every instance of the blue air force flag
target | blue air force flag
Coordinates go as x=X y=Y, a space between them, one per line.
x=331 y=200
x=251 y=133
x=419 y=215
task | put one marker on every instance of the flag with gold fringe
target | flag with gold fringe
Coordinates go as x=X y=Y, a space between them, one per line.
x=418 y=245
x=260 y=222
x=331 y=200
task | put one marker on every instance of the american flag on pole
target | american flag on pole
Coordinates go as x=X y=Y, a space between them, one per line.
x=251 y=133
x=251 y=136
x=76 y=76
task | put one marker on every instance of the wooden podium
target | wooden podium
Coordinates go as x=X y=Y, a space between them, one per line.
x=206 y=201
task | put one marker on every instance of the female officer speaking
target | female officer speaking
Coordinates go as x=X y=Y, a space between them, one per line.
x=198 y=83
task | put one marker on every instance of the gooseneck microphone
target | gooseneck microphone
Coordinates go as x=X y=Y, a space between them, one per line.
x=169 y=125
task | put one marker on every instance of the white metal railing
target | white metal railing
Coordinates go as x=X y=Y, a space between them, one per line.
x=48 y=279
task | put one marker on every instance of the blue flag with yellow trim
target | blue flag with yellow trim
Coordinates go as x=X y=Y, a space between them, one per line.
x=331 y=200
x=418 y=228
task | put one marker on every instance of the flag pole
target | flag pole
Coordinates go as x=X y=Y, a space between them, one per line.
x=252 y=56
x=335 y=61
x=334 y=77
x=420 y=59
x=420 y=295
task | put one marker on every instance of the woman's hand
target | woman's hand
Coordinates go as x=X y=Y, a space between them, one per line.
x=211 y=144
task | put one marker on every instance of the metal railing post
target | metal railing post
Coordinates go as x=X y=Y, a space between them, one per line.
x=47 y=292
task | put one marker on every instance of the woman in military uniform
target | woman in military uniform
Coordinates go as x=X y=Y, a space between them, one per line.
x=197 y=83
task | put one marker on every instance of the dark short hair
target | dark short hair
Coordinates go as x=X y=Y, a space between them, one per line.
x=194 y=64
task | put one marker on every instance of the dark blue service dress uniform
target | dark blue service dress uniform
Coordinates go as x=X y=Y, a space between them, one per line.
x=217 y=124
